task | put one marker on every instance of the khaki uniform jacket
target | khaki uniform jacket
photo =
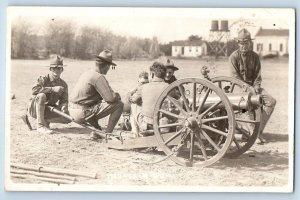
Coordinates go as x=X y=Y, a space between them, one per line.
x=91 y=88
x=150 y=94
x=44 y=84
x=246 y=67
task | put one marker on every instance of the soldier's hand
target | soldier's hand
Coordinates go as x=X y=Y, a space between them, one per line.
x=64 y=109
x=58 y=89
x=257 y=89
x=118 y=96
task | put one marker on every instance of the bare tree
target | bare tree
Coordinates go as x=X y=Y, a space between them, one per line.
x=60 y=37
x=154 y=48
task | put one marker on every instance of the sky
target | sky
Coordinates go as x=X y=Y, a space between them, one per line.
x=167 y=24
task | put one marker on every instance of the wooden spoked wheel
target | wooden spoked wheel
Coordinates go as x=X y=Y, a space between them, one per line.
x=247 y=121
x=186 y=128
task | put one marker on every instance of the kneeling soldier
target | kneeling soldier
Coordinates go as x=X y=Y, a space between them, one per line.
x=50 y=90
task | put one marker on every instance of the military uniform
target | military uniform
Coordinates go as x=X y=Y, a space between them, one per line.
x=149 y=96
x=246 y=66
x=44 y=94
x=92 y=99
x=171 y=80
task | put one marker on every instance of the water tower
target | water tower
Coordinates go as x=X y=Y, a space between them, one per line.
x=218 y=37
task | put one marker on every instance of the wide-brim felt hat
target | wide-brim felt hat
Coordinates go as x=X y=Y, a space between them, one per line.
x=168 y=63
x=57 y=61
x=106 y=56
x=174 y=68
x=244 y=35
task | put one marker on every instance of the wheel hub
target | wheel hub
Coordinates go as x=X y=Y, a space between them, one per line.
x=193 y=122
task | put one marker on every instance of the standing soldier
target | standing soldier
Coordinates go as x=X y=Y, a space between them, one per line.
x=245 y=65
x=50 y=90
x=92 y=97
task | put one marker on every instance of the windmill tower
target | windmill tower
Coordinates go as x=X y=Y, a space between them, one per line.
x=218 y=37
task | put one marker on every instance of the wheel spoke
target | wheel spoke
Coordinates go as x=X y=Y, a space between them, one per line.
x=236 y=143
x=244 y=132
x=194 y=97
x=245 y=120
x=214 y=112
x=185 y=101
x=175 y=102
x=210 y=108
x=169 y=125
x=220 y=84
x=214 y=119
x=210 y=140
x=171 y=114
x=232 y=87
x=180 y=143
x=202 y=147
x=203 y=101
x=174 y=136
x=214 y=130
x=192 y=149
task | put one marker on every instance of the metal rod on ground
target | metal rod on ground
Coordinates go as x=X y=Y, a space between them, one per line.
x=42 y=179
x=55 y=170
x=52 y=109
x=40 y=174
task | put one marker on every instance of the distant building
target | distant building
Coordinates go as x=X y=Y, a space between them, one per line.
x=186 y=48
x=271 y=41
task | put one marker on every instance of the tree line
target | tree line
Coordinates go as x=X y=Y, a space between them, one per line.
x=64 y=38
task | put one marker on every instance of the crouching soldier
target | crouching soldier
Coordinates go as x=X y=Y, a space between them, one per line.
x=93 y=98
x=50 y=90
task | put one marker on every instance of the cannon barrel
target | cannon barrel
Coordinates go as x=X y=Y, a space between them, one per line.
x=238 y=100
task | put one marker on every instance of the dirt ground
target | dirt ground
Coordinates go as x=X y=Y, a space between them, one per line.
x=262 y=166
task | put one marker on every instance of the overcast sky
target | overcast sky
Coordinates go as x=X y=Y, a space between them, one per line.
x=168 y=24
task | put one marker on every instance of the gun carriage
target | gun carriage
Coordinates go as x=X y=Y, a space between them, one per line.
x=206 y=120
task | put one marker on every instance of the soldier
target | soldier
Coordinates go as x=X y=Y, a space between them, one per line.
x=171 y=68
x=92 y=97
x=50 y=90
x=150 y=94
x=245 y=65
x=135 y=101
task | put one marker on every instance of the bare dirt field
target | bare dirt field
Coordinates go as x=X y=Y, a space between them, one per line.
x=263 y=165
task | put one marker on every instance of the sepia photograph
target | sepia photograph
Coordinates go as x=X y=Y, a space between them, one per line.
x=150 y=99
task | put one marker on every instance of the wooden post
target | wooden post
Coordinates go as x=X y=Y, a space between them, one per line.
x=55 y=170
x=40 y=174
x=51 y=180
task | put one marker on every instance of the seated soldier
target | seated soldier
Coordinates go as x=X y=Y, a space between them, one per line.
x=92 y=97
x=50 y=90
x=149 y=96
x=135 y=101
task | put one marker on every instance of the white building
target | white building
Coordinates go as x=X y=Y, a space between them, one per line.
x=185 y=48
x=271 y=41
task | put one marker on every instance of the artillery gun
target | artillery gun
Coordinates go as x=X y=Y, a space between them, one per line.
x=211 y=118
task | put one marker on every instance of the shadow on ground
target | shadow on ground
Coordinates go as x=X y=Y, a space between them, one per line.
x=72 y=130
x=255 y=161
x=273 y=137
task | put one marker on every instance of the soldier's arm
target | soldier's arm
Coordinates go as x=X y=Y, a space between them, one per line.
x=40 y=86
x=258 y=79
x=137 y=96
x=64 y=99
x=103 y=88
x=234 y=68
